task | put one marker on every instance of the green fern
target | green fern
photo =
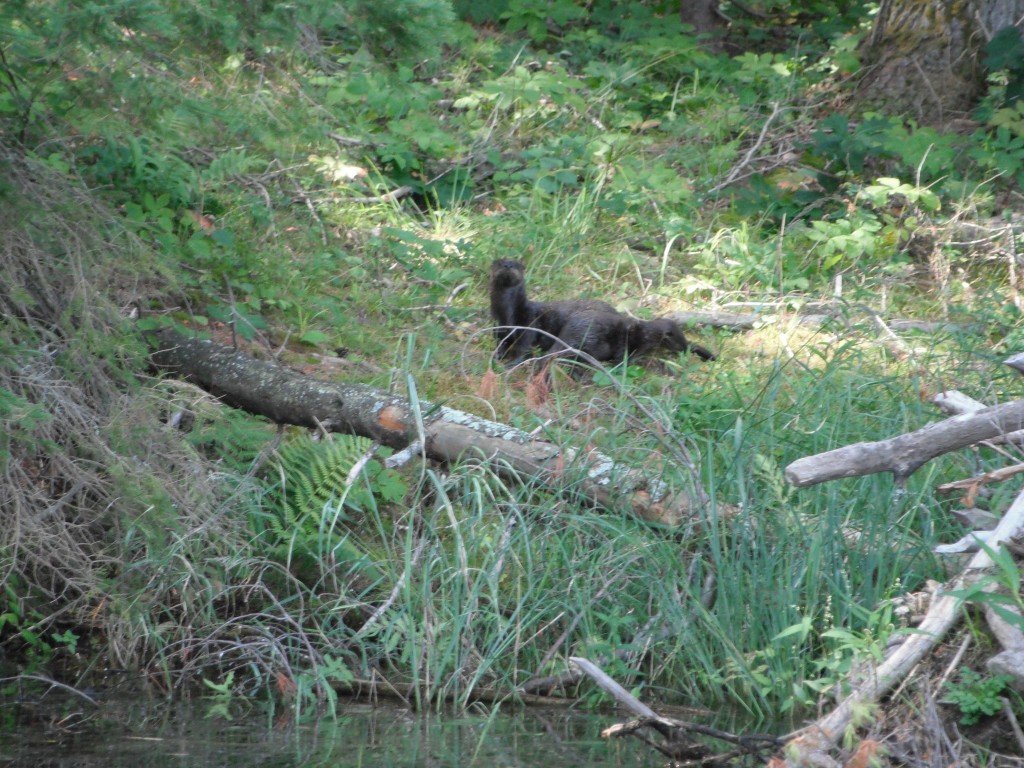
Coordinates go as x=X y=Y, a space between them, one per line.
x=315 y=481
x=311 y=522
x=315 y=477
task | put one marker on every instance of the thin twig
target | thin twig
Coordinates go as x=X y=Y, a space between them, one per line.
x=52 y=683
x=747 y=158
x=312 y=210
x=955 y=661
x=388 y=197
x=395 y=592
x=1014 y=724
x=404 y=456
x=996 y=475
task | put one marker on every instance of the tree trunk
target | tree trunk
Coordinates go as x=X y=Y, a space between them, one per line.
x=443 y=434
x=924 y=58
x=702 y=15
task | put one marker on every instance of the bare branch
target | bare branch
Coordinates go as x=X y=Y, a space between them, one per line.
x=902 y=455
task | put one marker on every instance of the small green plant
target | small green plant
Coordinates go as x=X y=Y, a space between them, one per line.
x=623 y=374
x=37 y=649
x=317 y=689
x=67 y=639
x=847 y=240
x=884 y=190
x=976 y=696
x=222 y=698
x=1005 y=52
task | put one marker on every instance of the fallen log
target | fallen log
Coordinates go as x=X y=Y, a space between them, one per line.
x=955 y=402
x=902 y=455
x=443 y=434
x=811 y=745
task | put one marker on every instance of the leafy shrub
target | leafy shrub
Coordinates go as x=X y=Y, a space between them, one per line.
x=881 y=146
x=1005 y=52
x=540 y=17
x=391 y=30
x=1003 y=150
x=134 y=168
x=976 y=696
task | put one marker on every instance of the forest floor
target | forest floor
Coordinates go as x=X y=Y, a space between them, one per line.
x=317 y=203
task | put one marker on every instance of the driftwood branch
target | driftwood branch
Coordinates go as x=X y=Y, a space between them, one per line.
x=677 y=735
x=974 y=423
x=816 y=740
x=1016 y=362
x=956 y=402
x=677 y=744
x=1009 y=661
x=446 y=435
x=612 y=688
x=903 y=454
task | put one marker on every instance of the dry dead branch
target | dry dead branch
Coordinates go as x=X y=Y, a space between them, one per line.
x=903 y=454
x=677 y=736
x=993 y=476
x=812 y=744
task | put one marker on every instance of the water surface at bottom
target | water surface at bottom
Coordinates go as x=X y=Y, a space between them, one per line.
x=68 y=732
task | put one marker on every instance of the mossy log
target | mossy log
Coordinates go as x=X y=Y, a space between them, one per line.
x=443 y=434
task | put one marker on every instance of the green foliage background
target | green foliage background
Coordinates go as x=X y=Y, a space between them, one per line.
x=228 y=168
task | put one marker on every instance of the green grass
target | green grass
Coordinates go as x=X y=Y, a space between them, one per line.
x=238 y=186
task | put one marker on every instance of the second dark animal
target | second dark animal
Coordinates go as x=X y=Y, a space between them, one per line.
x=609 y=337
x=663 y=333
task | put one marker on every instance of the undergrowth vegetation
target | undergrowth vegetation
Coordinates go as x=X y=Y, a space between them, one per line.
x=307 y=183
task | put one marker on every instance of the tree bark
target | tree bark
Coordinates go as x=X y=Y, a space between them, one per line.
x=924 y=58
x=702 y=15
x=444 y=434
x=903 y=454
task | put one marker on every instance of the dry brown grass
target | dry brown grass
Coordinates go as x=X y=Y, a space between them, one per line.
x=92 y=481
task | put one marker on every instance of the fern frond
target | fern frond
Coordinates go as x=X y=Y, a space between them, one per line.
x=316 y=475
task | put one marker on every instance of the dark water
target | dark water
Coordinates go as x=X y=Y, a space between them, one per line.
x=60 y=730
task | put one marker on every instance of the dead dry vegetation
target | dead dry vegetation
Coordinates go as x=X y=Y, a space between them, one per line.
x=92 y=471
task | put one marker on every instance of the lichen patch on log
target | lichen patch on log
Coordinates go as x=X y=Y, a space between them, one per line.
x=484 y=426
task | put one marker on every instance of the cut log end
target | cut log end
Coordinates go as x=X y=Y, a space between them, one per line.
x=393 y=418
x=1016 y=362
